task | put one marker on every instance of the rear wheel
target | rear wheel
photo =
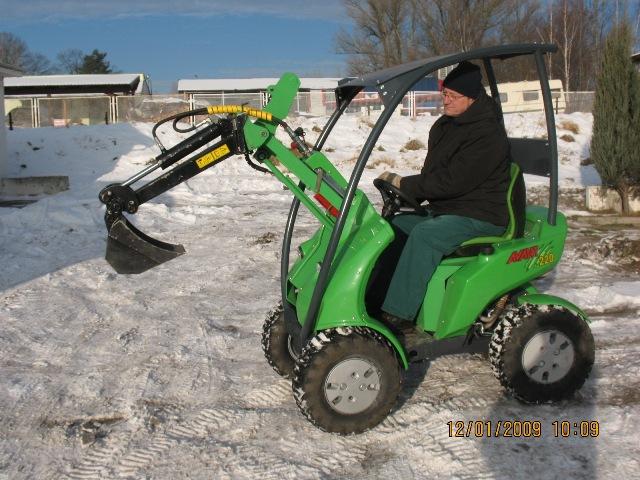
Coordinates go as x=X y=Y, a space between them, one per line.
x=542 y=353
x=276 y=343
x=347 y=380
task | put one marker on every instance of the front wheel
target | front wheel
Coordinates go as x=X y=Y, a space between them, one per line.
x=347 y=380
x=542 y=353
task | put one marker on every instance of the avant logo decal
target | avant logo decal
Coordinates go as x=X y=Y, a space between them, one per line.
x=524 y=254
x=536 y=256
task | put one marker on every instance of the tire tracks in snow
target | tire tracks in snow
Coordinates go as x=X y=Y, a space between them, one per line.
x=225 y=425
x=420 y=423
x=104 y=453
x=118 y=457
x=121 y=458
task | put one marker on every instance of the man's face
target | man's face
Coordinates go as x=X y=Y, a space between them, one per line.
x=455 y=104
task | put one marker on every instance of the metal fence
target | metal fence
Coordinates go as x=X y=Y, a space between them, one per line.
x=579 y=102
x=65 y=111
x=62 y=112
x=149 y=108
x=19 y=112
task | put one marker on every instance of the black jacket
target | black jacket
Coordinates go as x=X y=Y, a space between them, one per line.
x=466 y=171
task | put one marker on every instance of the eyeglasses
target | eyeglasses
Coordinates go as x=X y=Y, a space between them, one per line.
x=450 y=96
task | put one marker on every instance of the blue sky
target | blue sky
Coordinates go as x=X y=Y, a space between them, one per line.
x=170 y=40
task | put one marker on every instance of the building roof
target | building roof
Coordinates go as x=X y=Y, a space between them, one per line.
x=249 y=84
x=98 y=84
x=74 y=80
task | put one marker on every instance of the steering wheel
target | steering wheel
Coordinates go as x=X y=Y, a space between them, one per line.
x=393 y=199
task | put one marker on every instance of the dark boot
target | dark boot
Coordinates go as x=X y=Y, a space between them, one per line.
x=396 y=323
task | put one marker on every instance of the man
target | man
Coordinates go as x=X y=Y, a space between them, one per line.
x=465 y=178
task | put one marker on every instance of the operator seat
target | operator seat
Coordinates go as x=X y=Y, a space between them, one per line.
x=516 y=206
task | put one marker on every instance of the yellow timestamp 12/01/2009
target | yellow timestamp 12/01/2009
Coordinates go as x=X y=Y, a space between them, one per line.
x=497 y=428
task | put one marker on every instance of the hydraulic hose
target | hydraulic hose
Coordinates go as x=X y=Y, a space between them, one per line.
x=175 y=118
x=260 y=115
x=209 y=133
x=252 y=112
x=191 y=144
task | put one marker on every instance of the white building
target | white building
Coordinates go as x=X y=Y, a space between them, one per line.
x=55 y=100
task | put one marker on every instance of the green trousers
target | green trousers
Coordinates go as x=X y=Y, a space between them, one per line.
x=429 y=239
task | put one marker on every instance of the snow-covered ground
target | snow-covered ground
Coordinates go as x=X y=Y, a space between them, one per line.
x=161 y=375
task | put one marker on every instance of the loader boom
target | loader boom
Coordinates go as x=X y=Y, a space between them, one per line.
x=131 y=251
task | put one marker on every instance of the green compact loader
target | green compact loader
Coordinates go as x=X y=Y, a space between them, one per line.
x=326 y=334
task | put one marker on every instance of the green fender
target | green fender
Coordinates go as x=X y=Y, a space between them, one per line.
x=544 y=299
x=379 y=327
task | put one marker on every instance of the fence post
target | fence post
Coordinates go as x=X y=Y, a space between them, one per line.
x=192 y=103
x=106 y=118
x=412 y=102
x=36 y=113
x=10 y=121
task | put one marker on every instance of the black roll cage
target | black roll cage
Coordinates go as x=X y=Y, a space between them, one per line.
x=534 y=156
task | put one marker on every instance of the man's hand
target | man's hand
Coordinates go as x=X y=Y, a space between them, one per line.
x=393 y=178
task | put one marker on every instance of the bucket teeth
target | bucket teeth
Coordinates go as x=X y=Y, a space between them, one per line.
x=131 y=251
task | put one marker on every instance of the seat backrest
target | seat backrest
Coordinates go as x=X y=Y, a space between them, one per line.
x=516 y=206
x=518 y=201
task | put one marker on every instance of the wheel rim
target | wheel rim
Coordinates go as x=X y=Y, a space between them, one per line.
x=548 y=356
x=352 y=386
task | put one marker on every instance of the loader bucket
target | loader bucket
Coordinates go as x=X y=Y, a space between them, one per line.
x=131 y=251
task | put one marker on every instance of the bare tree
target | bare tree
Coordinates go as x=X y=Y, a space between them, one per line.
x=14 y=51
x=453 y=25
x=578 y=28
x=71 y=60
x=37 y=64
x=569 y=34
x=387 y=32
x=519 y=27
x=383 y=35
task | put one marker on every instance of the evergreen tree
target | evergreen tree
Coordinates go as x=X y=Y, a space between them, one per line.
x=615 y=144
x=95 y=63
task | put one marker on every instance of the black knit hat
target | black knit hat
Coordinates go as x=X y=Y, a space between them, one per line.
x=465 y=79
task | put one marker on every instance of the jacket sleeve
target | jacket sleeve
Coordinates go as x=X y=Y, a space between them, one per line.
x=468 y=167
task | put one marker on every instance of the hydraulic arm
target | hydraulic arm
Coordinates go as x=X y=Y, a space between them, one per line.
x=131 y=251
x=128 y=249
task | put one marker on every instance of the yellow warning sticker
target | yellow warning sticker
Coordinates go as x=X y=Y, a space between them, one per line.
x=213 y=156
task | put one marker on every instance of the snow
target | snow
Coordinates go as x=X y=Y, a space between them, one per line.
x=161 y=375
